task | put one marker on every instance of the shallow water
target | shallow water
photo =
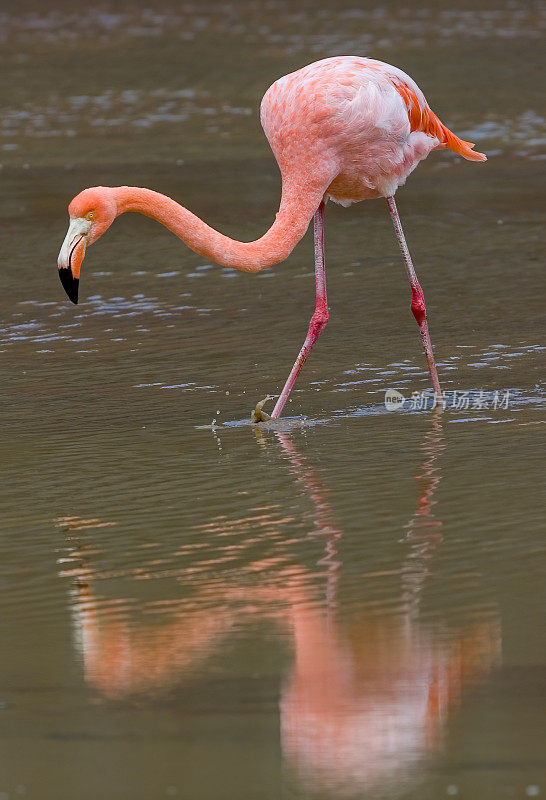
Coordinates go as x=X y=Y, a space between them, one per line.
x=347 y=604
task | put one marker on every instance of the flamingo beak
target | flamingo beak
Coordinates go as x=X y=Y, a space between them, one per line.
x=71 y=256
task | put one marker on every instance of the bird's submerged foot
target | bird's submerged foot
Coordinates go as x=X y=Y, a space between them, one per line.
x=258 y=415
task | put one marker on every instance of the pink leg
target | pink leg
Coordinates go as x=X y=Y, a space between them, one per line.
x=319 y=318
x=417 y=300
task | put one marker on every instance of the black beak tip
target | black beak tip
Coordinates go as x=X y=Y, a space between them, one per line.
x=70 y=284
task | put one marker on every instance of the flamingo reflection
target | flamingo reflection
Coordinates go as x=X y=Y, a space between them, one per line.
x=366 y=699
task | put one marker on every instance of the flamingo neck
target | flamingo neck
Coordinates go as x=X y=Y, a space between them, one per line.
x=298 y=204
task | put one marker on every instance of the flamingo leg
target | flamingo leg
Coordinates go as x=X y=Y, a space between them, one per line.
x=418 y=307
x=319 y=318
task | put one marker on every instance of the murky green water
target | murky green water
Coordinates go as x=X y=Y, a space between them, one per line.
x=347 y=606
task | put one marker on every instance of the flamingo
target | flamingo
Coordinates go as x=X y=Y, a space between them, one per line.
x=345 y=128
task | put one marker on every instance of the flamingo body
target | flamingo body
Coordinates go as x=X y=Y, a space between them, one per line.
x=363 y=123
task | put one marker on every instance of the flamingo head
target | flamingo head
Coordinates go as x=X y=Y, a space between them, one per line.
x=91 y=213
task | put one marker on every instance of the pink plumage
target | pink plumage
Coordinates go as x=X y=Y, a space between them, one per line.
x=347 y=128
x=344 y=124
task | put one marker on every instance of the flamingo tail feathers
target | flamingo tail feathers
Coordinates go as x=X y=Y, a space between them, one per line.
x=460 y=146
x=423 y=118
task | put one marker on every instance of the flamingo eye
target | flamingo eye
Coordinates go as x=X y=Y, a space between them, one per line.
x=90 y=215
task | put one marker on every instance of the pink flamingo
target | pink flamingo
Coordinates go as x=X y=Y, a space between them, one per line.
x=347 y=128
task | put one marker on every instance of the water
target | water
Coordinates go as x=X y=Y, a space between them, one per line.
x=346 y=605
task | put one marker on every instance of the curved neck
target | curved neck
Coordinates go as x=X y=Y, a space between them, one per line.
x=299 y=202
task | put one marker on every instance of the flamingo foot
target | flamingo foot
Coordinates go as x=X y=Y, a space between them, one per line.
x=257 y=415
